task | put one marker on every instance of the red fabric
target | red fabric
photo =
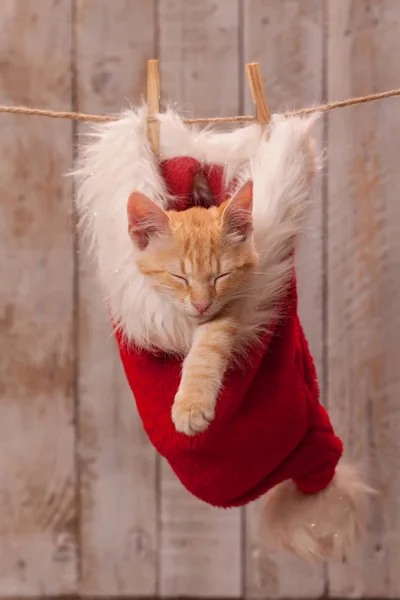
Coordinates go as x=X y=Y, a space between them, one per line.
x=268 y=427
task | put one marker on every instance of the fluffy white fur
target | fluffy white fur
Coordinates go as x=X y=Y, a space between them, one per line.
x=322 y=526
x=277 y=159
x=119 y=160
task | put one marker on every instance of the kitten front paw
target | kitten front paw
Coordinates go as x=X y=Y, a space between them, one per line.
x=191 y=415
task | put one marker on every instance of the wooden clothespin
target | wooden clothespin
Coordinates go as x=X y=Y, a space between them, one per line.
x=153 y=103
x=258 y=94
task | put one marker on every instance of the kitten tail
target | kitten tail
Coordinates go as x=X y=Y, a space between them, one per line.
x=323 y=526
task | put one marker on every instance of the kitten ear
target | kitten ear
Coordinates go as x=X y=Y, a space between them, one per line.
x=145 y=219
x=237 y=217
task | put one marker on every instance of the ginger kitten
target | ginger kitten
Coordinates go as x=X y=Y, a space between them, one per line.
x=201 y=260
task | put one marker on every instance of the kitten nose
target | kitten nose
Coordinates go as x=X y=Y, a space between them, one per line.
x=201 y=307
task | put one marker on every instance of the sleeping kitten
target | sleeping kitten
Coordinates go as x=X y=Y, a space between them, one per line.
x=201 y=260
x=221 y=284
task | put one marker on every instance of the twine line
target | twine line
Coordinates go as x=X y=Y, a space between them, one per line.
x=78 y=116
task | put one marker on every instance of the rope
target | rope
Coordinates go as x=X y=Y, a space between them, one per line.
x=78 y=116
x=75 y=116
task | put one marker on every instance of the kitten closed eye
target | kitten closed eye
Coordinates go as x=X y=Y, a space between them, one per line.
x=179 y=277
x=221 y=277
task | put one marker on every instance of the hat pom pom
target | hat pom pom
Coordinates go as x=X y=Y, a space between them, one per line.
x=321 y=526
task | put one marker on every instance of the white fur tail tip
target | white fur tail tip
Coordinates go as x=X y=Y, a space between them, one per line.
x=323 y=526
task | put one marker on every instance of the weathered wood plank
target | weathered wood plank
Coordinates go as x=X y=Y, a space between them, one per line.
x=287 y=38
x=118 y=465
x=38 y=553
x=200 y=551
x=200 y=547
x=363 y=271
x=198 y=47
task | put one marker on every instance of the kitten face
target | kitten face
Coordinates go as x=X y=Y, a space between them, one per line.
x=200 y=259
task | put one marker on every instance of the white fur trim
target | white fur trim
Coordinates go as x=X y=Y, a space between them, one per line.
x=119 y=160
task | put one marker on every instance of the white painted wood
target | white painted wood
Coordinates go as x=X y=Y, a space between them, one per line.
x=200 y=547
x=198 y=48
x=37 y=475
x=118 y=464
x=364 y=284
x=200 y=552
x=286 y=37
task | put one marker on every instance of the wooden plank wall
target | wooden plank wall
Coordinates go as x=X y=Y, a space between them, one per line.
x=363 y=276
x=118 y=491
x=38 y=509
x=86 y=506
